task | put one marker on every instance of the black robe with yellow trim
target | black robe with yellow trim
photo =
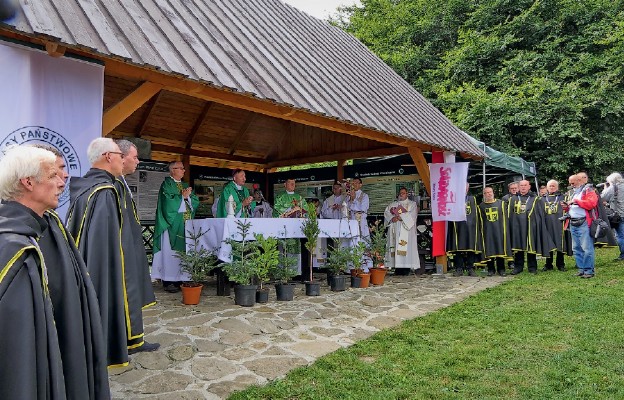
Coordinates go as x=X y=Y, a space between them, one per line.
x=94 y=220
x=76 y=313
x=554 y=227
x=494 y=233
x=138 y=280
x=30 y=358
x=462 y=235
x=526 y=225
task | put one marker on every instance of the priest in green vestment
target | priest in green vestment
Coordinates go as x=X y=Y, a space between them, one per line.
x=240 y=194
x=289 y=202
x=177 y=203
x=287 y=205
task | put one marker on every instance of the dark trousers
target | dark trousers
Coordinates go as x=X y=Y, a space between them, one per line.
x=500 y=265
x=463 y=260
x=519 y=261
x=558 y=260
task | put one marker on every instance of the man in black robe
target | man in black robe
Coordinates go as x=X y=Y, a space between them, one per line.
x=94 y=220
x=138 y=280
x=461 y=240
x=553 y=213
x=30 y=357
x=512 y=190
x=526 y=228
x=494 y=233
x=75 y=307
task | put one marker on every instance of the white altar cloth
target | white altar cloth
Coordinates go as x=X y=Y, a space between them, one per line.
x=219 y=229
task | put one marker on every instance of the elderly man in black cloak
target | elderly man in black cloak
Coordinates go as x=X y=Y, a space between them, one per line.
x=461 y=240
x=94 y=219
x=30 y=361
x=527 y=229
x=138 y=280
x=75 y=306
x=553 y=213
x=494 y=233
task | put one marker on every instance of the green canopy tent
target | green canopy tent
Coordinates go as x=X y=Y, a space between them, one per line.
x=500 y=167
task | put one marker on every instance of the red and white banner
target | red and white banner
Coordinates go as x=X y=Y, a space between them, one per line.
x=448 y=191
x=56 y=101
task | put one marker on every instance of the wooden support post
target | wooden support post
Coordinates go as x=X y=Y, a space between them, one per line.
x=340 y=170
x=421 y=166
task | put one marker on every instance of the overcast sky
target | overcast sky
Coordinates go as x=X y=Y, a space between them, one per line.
x=320 y=8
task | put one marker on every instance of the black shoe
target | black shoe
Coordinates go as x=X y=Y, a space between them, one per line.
x=534 y=272
x=561 y=268
x=458 y=272
x=580 y=273
x=516 y=271
x=490 y=273
x=471 y=272
x=502 y=273
x=171 y=288
x=146 y=346
x=547 y=268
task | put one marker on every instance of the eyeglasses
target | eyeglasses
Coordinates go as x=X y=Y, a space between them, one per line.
x=113 y=152
x=179 y=168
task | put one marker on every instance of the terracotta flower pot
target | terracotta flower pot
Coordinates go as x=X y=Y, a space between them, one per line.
x=191 y=294
x=377 y=276
x=365 y=280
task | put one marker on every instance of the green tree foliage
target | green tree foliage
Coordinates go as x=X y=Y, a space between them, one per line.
x=541 y=79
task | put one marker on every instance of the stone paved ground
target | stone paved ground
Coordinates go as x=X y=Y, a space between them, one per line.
x=210 y=350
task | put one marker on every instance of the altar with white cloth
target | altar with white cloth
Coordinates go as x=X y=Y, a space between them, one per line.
x=216 y=230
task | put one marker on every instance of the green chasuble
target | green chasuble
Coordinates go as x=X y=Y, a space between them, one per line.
x=285 y=201
x=238 y=195
x=167 y=215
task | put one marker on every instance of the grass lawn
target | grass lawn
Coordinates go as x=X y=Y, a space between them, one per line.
x=550 y=336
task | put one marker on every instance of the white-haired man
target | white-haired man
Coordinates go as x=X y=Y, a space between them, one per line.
x=94 y=220
x=176 y=203
x=75 y=307
x=31 y=361
x=614 y=196
x=138 y=280
x=553 y=220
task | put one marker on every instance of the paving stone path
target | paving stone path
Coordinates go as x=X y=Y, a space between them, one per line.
x=212 y=349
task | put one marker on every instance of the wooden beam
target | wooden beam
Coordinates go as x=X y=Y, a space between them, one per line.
x=54 y=49
x=117 y=113
x=421 y=165
x=248 y=102
x=241 y=133
x=208 y=154
x=198 y=123
x=148 y=114
x=386 y=151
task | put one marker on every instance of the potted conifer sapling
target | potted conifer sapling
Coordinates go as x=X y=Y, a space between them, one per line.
x=197 y=262
x=266 y=258
x=311 y=230
x=284 y=271
x=242 y=268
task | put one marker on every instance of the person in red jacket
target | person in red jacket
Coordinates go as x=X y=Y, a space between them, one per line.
x=584 y=199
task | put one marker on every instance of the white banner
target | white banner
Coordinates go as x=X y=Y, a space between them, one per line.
x=56 y=101
x=448 y=191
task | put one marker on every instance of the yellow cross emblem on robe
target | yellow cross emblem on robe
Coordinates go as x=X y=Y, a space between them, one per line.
x=519 y=207
x=551 y=208
x=468 y=209
x=492 y=214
